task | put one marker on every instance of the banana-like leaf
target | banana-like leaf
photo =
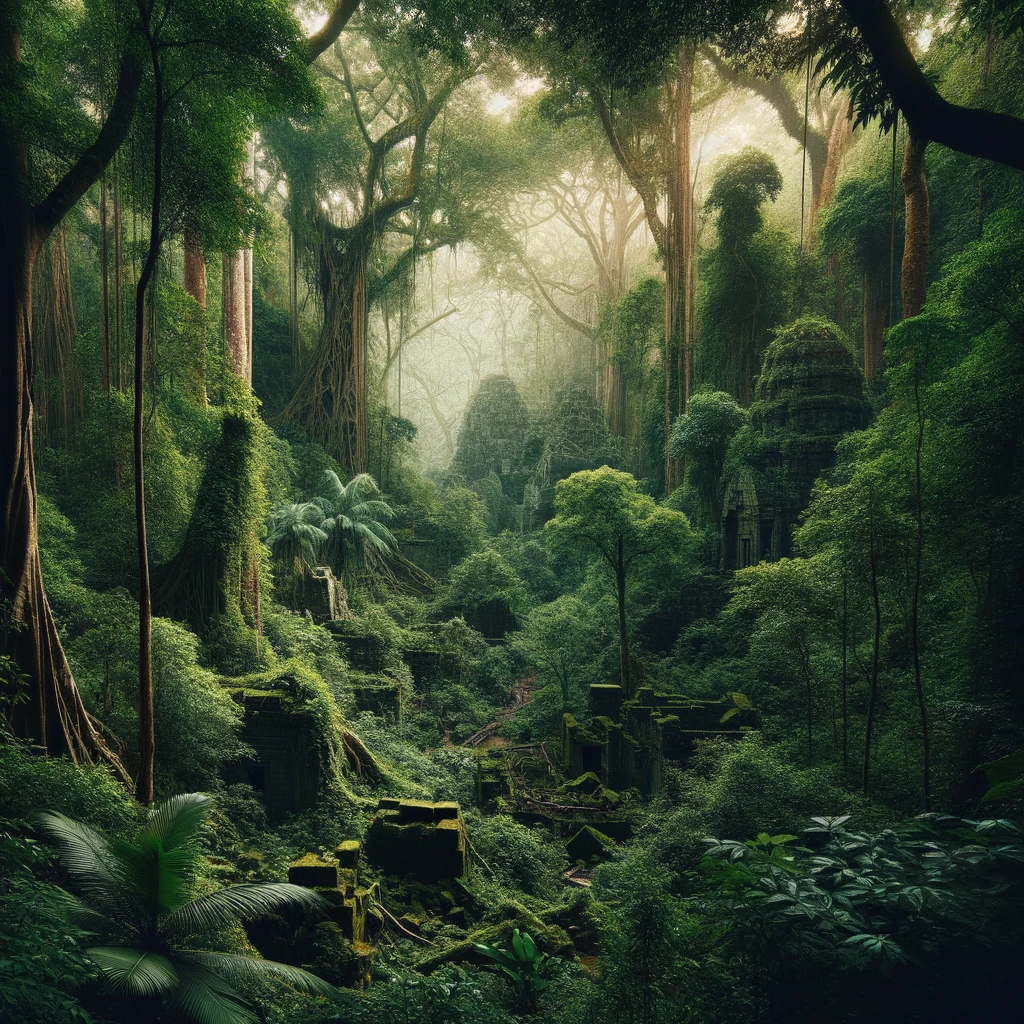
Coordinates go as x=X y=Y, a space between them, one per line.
x=227 y=906
x=134 y=972
x=499 y=956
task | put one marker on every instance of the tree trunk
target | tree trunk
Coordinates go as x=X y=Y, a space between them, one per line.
x=330 y=401
x=53 y=715
x=873 y=694
x=824 y=190
x=846 y=720
x=620 y=584
x=117 y=276
x=915 y=611
x=147 y=736
x=236 y=336
x=195 y=285
x=876 y=310
x=677 y=256
x=914 y=274
x=104 y=284
x=195 y=269
x=59 y=393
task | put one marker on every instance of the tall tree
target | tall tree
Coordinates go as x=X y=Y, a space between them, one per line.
x=602 y=513
x=33 y=202
x=379 y=190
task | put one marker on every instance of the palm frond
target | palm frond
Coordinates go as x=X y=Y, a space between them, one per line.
x=227 y=906
x=381 y=533
x=360 y=485
x=333 y=488
x=240 y=970
x=204 y=997
x=159 y=880
x=86 y=917
x=376 y=509
x=177 y=820
x=88 y=858
x=134 y=972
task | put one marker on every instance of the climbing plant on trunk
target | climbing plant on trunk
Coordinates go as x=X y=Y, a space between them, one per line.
x=331 y=401
x=53 y=716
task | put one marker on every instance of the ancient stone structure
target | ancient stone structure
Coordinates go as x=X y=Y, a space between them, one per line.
x=415 y=837
x=322 y=596
x=336 y=878
x=577 y=438
x=497 y=438
x=285 y=766
x=809 y=394
x=626 y=742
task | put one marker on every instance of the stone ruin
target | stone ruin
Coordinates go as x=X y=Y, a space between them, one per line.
x=321 y=596
x=809 y=394
x=353 y=908
x=284 y=767
x=417 y=838
x=626 y=742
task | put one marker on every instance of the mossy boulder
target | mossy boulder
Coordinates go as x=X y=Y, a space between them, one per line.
x=584 y=785
x=589 y=846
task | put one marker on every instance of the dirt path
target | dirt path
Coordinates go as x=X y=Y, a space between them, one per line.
x=523 y=692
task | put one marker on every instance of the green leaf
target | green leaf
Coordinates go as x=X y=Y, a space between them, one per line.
x=204 y=997
x=177 y=820
x=133 y=972
x=242 y=970
x=227 y=906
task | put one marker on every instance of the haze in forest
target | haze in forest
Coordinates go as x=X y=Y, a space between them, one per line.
x=511 y=511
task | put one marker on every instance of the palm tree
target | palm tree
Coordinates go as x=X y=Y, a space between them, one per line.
x=294 y=534
x=354 y=517
x=140 y=895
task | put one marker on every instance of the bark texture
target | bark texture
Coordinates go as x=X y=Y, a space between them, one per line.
x=914 y=273
x=53 y=716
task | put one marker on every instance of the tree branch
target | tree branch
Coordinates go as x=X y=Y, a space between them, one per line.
x=577 y=325
x=90 y=165
x=981 y=133
x=336 y=21
x=641 y=185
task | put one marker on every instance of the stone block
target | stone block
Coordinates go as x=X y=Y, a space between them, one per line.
x=606 y=699
x=313 y=872
x=347 y=853
x=425 y=840
x=410 y=811
x=589 y=845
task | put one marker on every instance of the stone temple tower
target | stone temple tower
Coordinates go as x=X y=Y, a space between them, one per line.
x=810 y=392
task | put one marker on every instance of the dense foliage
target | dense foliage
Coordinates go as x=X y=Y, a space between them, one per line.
x=533 y=418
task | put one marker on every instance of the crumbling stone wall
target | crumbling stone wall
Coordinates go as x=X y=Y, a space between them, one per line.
x=415 y=837
x=626 y=742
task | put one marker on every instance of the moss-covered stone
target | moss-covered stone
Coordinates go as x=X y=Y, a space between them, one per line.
x=347 y=853
x=313 y=872
x=425 y=840
x=589 y=846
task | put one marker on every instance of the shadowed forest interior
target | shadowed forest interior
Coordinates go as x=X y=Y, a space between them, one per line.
x=512 y=511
